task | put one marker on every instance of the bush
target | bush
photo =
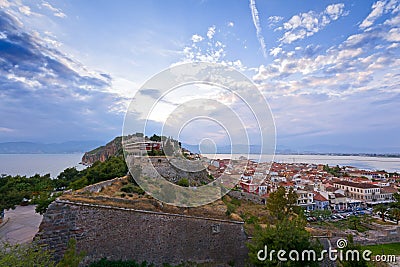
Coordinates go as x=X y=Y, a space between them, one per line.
x=129 y=188
x=183 y=182
x=230 y=208
x=120 y=263
x=236 y=202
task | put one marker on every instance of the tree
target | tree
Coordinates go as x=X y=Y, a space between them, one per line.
x=43 y=201
x=155 y=138
x=277 y=238
x=395 y=213
x=25 y=255
x=280 y=204
x=66 y=177
x=71 y=258
x=380 y=210
x=354 y=222
x=352 y=262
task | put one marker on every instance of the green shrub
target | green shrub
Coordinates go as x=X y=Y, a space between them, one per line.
x=236 y=202
x=183 y=182
x=130 y=188
x=120 y=263
x=230 y=208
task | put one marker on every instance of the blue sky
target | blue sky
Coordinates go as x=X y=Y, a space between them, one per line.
x=330 y=70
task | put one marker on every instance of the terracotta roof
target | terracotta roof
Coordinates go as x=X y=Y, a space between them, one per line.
x=388 y=190
x=319 y=197
x=331 y=189
x=357 y=185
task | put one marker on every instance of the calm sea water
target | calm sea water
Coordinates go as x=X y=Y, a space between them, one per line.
x=365 y=163
x=30 y=164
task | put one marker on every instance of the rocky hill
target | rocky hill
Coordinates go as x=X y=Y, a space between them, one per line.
x=102 y=153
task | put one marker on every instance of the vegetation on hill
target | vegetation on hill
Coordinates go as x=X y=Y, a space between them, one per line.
x=275 y=237
x=32 y=254
x=40 y=189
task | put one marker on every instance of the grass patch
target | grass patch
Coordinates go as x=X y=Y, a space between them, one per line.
x=387 y=249
x=379 y=221
x=343 y=225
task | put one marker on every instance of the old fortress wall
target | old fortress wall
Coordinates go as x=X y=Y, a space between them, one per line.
x=120 y=233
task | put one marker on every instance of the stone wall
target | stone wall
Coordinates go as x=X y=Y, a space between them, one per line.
x=119 y=233
x=95 y=188
x=247 y=196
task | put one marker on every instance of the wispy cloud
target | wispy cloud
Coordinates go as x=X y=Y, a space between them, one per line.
x=56 y=11
x=50 y=90
x=378 y=9
x=307 y=24
x=363 y=62
x=257 y=25
x=273 y=20
x=25 y=10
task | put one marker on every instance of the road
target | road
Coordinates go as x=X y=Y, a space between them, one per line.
x=23 y=223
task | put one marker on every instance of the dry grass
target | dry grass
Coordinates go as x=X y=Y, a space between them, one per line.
x=112 y=196
x=379 y=221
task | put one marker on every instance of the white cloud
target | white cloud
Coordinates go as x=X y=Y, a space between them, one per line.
x=334 y=11
x=25 y=10
x=3 y=35
x=197 y=38
x=377 y=11
x=211 y=32
x=4 y=3
x=56 y=11
x=395 y=21
x=231 y=24
x=354 y=66
x=275 y=51
x=274 y=19
x=393 y=35
x=6 y=130
x=256 y=22
x=307 y=24
x=30 y=83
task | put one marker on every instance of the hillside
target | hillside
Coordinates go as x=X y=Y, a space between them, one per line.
x=102 y=153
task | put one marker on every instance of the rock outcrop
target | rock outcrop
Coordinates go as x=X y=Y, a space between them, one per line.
x=113 y=148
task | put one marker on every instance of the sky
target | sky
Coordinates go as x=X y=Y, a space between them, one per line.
x=330 y=70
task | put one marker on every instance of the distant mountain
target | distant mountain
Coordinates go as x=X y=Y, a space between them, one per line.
x=312 y=149
x=324 y=148
x=51 y=148
x=239 y=149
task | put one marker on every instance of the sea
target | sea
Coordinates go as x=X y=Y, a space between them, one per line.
x=360 y=162
x=31 y=164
